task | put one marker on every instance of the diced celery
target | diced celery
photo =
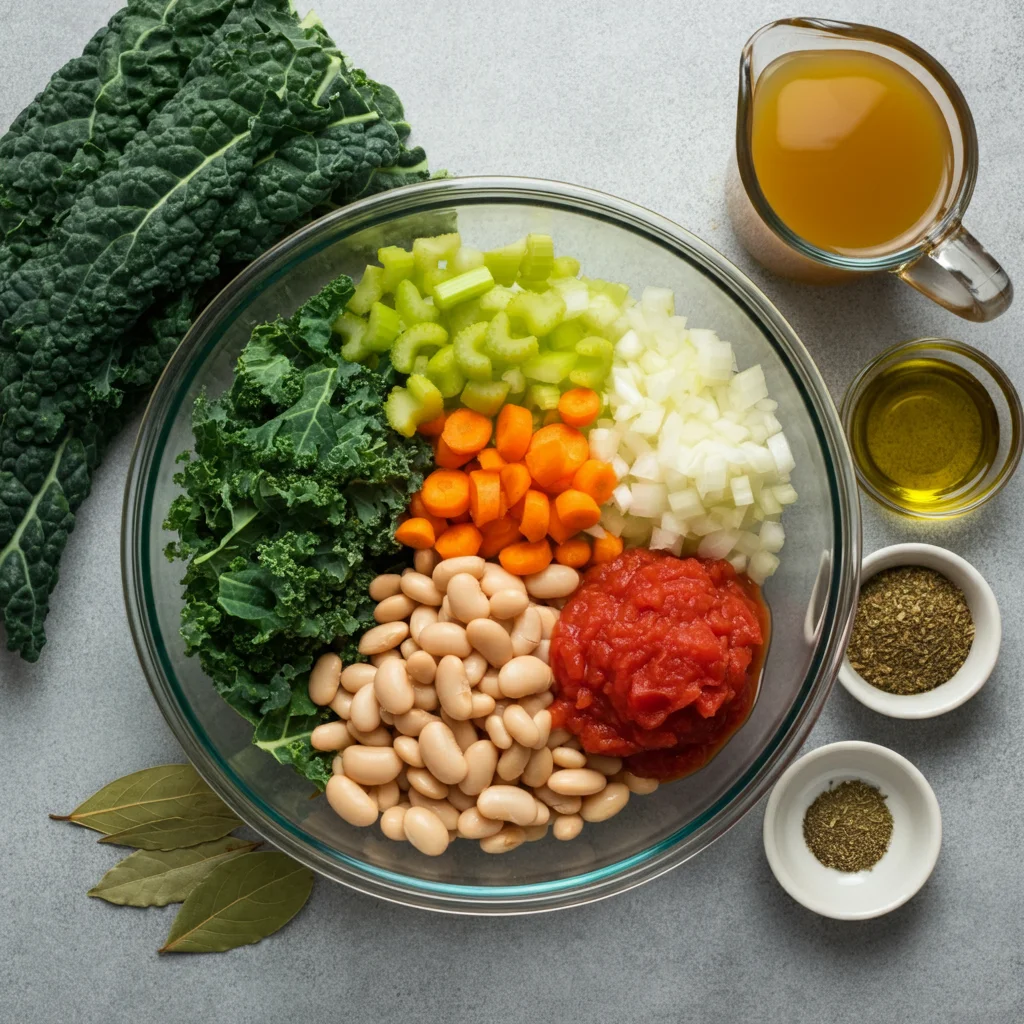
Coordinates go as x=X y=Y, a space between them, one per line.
x=566 y=336
x=410 y=343
x=465 y=259
x=469 y=353
x=464 y=315
x=418 y=402
x=353 y=330
x=398 y=265
x=419 y=365
x=516 y=380
x=368 y=291
x=504 y=263
x=595 y=360
x=485 y=396
x=539 y=258
x=541 y=312
x=543 y=396
x=412 y=307
x=432 y=277
x=618 y=293
x=500 y=345
x=550 y=367
x=463 y=287
x=428 y=252
x=565 y=266
x=495 y=300
x=444 y=371
x=600 y=314
x=383 y=327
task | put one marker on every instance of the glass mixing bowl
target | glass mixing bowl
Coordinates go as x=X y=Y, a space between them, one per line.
x=811 y=597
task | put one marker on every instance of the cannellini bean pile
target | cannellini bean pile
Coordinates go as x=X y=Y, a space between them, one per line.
x=445 y=733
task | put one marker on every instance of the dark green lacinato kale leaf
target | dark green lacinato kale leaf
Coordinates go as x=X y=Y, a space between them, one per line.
x=289 y=505
x=213 y=167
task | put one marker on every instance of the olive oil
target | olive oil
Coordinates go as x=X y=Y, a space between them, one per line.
x=850 y=149
x=923 y=433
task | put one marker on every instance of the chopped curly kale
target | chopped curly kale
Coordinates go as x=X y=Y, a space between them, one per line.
x=290 y=502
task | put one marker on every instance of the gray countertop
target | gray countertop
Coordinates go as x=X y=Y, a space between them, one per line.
x=636 y=99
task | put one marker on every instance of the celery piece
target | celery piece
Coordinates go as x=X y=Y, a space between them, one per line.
x=432 y=277
x=412 y=341
x=469 y=355
x=383 y=328
x=543 y=396
x=566 y=336
x=428 y=252
x=516 y=380
x=565 y=266
x=420 y=364
x=412 y=307
x=464 y=315
x=353 y=330
x=443 y=370
x=500 y=345
x=465 y=259
x=593 y=364
x=541 y=312
x=368 y=291
x=601 y=314
x=539 y=258
x=485 y=396
x=418 y=402
x=398 y=265
x=495 y=300
x=463 y=287
x=550 y=367
x=504 y=263
x=618 y=293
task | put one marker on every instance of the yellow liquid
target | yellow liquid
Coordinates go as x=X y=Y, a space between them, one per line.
x=851 y=151
x=924 y=433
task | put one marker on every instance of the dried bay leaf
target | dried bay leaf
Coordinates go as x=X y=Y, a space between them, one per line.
x=154 y=879
x=239 y=903
x=174 y=833
x=169 y=790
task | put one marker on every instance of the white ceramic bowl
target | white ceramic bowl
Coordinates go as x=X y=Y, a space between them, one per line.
x=971 y=676
x=906 y=865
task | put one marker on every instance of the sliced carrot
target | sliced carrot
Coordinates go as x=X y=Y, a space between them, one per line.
x=551 y=416
x=533 y=523
x=515 y=428
x=606 y=549
x=546 y=461
x=446 y=458
x=433 y=427
x=515 y=481
x=490 y=458
x=576 y=446
x=446 y=492
x=557 y=530
x=516 y=510
x=525 y=559
x=597 y=479
x=576 y=510
x=464 y=518
x=497 y=535
x=473 y=466
x=417 y=507
x=485 y=496
x=561 y=484
x=466 y=431
x=579 y=407
x=573 y=552
x=464 y=539
x=415 y=533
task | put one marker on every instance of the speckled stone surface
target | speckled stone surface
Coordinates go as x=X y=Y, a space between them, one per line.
x=636 y=99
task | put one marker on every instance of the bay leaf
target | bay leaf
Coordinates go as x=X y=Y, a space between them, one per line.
x=154 y=879
x=169 y=790
x=239 y=903
x=177 y=832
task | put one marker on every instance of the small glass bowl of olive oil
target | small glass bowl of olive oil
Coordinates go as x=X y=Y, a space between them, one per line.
x=935 y=428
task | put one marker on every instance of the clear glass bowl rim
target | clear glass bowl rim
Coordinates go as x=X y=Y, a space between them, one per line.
x=836 y=617
x=917 y=346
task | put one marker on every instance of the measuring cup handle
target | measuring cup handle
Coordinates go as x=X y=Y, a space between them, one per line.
x=960 y=275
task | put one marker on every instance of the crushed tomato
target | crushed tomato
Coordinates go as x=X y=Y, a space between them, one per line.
x=656 y=660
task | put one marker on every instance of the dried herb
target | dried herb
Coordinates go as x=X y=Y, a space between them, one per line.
x=912 y=632
x=848 y=827
x=176 y=833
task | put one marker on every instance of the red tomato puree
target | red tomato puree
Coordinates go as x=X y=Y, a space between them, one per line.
x=656 y=660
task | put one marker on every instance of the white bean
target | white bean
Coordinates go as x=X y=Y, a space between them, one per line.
x=463 y=730
x=421 y=666
x=520 y=726
x=350 y=801
x=329 y=736
x=538 y=769
x=495 y=728
x=601 y=806
x=441 y=754
x=507 y=803
x=558 y=737
x=453 y=689
x=535 y=702
x=553 y=582
x=383 y=638
x=355 y=677
x=376 y=660
x=444 y=810
x=422 y=781
x=481 y=760
x=449 y=567
x=408 y=749
x=394 y=608
x=507 y=604
x=387 y=795
x=407 y=648
x=421 y=618
x=420 y=589
x=490 y=640
x=444 y=613
x=412 y=722
x=507 y=839
x=425 y=831
x=543 y=651
x=512 y=762
x=459 y=800
x=489 y=684
x=371 y=766
x=342 y=704
x=524 y=675
x=483 y=705
x=475 y=665
x=444 y=638
x=496 y=578
x=365 y=711
x=604 y=765
x=558 y=801
x=638 y=784
x=425 y=697
x=566 y=757
x=543 y=813
x=391 y=823
x=542 y=719
x=425 y=560
x=548 y=618
x=567 y=826
x=473 y=825
x=379 y=737
x=385 y=586
x=525 y=632
x=577 y=781
x=466 y=600
x=325 y=679
x=392 y=688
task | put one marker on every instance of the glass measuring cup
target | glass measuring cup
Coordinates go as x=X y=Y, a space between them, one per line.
x=946 y=262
